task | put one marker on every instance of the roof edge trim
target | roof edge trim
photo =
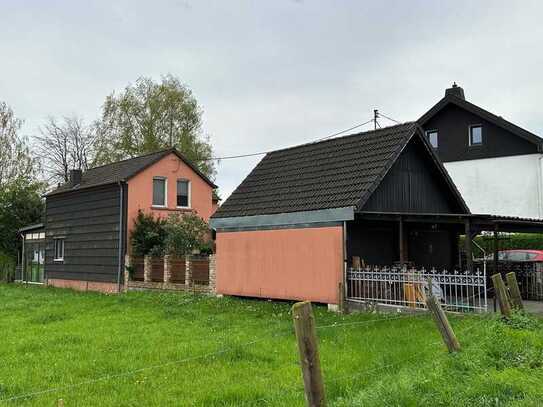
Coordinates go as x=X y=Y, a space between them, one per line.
x=283 y=219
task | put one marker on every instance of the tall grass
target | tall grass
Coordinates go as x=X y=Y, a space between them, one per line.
x=194 y=350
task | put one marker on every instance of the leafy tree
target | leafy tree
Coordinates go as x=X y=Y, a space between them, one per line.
x=16 y=163
x=20 y=192
x=65 y=144
x=20 y=205
x=184 y=233
x=149 y=116
x=148 y=235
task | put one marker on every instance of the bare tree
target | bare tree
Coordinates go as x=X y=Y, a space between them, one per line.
x=16 y=164
x=64 y=145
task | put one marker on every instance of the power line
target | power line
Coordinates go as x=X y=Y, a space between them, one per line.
x=389 y=118
x=269 y=151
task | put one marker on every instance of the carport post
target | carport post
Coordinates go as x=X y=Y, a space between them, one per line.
x=495 y=249
x=467 y=245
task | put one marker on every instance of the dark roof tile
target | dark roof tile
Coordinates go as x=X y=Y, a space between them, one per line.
x=328 y=174
x=122 y=171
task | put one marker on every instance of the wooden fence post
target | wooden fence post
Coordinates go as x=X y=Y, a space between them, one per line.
x=501 y=293
x=516 y=298
x=442 y=322
x=304 y=325
x=340 y=298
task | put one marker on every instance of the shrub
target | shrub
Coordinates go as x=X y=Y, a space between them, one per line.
x=148 y=235
x=185 y=233
x=7 y=268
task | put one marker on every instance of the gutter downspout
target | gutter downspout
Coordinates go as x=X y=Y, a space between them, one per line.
x=23 y=261
x=344 y=259
x=540 y=187
x=121 y=210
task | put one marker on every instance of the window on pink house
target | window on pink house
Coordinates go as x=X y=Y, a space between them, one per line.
x=183 y=193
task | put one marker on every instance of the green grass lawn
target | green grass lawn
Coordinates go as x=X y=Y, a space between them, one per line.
x=181 y=349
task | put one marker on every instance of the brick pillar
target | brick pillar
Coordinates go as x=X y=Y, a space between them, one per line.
x=127 y=264
x=147 y=266
x=167 y=269
x=212 y=274
x=188 y=271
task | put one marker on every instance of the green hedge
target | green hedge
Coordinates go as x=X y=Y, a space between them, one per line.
x=507 y=241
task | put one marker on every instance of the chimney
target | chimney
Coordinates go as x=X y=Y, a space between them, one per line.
x=455 y=90
x=75 y=177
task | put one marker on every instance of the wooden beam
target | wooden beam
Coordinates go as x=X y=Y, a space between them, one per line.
x=442 y=323
x=514 y=291
x=401 y=241
x=468 y=245
x=500 y=291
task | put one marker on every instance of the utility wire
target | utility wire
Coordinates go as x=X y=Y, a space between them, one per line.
x=229 y=157
x=389 y=118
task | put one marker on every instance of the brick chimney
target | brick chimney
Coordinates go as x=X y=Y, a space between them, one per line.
x=455 y=90
x=75 y=177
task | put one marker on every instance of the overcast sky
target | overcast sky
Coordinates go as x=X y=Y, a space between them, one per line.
x=277 y=73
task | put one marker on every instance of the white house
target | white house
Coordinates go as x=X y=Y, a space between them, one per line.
x=496 y=165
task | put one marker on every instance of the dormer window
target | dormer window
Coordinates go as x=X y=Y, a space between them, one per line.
x=432 y=137
x=475 y=135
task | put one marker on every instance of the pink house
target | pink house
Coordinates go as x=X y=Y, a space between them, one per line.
x=89 y=219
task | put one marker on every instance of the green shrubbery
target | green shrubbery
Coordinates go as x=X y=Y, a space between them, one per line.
x=7 y=268
x=177 y=234
x=507 y=242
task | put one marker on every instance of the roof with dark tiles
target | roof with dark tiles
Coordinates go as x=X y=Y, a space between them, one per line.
x=336 y=173
x=122 y=171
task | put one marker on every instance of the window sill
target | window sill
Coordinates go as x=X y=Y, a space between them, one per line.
x=58 y=260
x=177 y=209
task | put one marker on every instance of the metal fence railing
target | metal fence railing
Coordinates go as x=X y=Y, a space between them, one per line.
x=402 y=287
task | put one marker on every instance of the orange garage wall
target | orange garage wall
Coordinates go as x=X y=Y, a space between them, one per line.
x=293 y=264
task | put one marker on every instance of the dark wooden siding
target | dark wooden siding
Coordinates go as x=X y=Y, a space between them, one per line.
x=452 y=124
x=374 y=242
x=377 y=243
x=413 y=185
x=88 y=220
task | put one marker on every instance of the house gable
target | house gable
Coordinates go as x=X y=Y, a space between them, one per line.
x=171 y=168
x=415 y=183
x=452 y=118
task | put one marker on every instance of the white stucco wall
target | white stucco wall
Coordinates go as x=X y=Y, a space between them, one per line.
x=509 y=186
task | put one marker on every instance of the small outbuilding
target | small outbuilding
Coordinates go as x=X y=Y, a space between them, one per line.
x=289 y=229
x=293 y=228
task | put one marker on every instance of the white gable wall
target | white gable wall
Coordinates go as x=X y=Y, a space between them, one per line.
x=510 y=186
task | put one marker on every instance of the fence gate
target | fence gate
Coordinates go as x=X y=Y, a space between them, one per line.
x=402 y=287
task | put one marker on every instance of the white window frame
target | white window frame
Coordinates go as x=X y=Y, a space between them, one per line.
x=165 y=205
x=189 y=191
x=471 y=126
x=428 y=137
x=56 y=240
